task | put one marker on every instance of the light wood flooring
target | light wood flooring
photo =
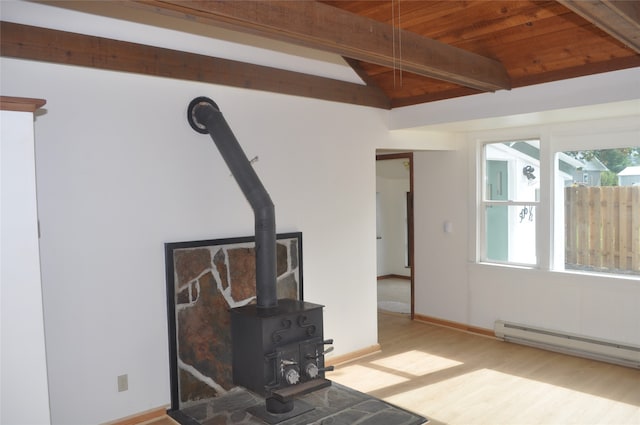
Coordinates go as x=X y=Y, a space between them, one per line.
x=456 y=378
x=394 y=295
x=164 y=420
x=453 y=377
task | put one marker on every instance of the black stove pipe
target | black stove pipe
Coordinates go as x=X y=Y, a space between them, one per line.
x=204 y=116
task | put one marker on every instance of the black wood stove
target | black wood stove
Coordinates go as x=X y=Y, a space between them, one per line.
x=278 y=346
x=280 y=354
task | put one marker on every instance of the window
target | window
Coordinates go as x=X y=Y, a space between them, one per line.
x=511 y=175
x=566 y=201
x=598 y=199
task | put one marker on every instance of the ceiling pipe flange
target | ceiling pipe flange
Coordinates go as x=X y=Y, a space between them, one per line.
x=191 y=113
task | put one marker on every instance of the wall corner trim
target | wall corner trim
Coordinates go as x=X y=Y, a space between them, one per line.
x=20 y=104
x=455 y=325
x=354 y=355
x=142 y=417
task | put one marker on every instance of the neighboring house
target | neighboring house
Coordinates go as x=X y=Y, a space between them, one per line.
x=513 y=170
x=630 y=176
x=589 y=174
x=568 y=167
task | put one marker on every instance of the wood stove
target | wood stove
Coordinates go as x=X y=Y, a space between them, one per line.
x=279 y=354
x=278 y=346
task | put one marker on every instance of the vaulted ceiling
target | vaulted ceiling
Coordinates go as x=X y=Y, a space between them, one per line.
x=532 y=41
x=406 y=52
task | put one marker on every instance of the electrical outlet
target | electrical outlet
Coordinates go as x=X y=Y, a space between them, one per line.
x=123 y=383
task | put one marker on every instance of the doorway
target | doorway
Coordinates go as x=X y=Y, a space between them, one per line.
x=394 y=232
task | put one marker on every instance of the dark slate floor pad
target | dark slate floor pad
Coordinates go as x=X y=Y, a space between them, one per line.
x=334 y=405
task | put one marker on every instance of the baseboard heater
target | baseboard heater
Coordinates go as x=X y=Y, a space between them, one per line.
x=577 y=345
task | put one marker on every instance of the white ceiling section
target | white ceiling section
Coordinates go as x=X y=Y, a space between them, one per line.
x=244 y=48
x=596 y=96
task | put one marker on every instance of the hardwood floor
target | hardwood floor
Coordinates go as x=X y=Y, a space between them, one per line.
x=165 y=420
x=453 y=377
x=394 y=295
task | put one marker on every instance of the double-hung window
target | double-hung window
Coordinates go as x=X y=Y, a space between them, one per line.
x=589 y=217
x=510 y=200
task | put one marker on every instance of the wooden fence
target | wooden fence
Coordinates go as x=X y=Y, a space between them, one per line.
x=602 y=228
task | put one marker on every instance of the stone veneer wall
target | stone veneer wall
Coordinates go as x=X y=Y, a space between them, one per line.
x=208 y=281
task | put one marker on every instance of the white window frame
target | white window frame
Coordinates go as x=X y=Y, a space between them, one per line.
x=555 y=138
x=483 y=203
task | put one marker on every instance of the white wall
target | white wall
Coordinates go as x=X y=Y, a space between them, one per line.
x=440 y=195
x=24 y=397
x=120 y=173
x=450 y=285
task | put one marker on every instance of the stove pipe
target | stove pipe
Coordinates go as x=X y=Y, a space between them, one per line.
x=204 y=116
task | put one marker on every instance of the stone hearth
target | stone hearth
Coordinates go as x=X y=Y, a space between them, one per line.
x=334 y=405
x=208 y=280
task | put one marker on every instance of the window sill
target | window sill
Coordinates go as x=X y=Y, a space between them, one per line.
x=621 y=276
x=507 y=265
x=566 y=272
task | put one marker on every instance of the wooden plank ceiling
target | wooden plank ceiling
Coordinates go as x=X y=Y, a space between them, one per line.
x=536 y=41
x=407 y=52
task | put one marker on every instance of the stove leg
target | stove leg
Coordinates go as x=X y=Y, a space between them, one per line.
x=276 y=406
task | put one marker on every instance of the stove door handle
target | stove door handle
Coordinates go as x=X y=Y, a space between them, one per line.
x=312 y=356
x=326 y=369
x=328 y=350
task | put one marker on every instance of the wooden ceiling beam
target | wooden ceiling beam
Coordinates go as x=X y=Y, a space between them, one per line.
x=47 y=45
x=619 y=19
x=323 y=27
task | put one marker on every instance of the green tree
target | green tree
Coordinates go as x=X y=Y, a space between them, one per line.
x=608 y=178
x=615 y=160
